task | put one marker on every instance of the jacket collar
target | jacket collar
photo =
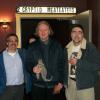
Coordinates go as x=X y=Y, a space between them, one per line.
x=83 y=44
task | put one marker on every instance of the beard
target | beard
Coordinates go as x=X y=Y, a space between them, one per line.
x=78 y=42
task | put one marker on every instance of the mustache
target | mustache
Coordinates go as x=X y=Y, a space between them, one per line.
x=13 y=44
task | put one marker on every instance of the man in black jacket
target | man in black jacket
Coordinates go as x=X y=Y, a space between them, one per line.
x=45 y=62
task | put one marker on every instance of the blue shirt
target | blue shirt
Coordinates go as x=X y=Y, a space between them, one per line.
x=13 y=67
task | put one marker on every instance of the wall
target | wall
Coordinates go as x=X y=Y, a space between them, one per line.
x=7 y=12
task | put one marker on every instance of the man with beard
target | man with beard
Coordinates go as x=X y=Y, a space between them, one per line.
x=84 y=62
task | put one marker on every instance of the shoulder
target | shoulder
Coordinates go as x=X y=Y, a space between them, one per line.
x=1 y=53
x=56 y=46
x=21 y=51
x=33 y=48
x=91 y=48
x=90 y=45
x=55 y=43
x=34 y=44
x=1 y=56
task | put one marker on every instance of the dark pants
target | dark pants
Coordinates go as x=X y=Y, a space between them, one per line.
x=39 y=93
x=13 y=93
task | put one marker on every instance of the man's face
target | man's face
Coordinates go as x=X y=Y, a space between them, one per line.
x=43 y=32
x=12 y=43
x=77 y=35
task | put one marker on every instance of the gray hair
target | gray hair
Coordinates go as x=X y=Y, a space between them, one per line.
x=45 y=23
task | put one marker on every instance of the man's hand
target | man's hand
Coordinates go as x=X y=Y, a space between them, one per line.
x=37 y=69
x=73 y=61
x=57 y=88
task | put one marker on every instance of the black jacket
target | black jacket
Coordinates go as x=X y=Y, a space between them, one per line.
x=52 y=55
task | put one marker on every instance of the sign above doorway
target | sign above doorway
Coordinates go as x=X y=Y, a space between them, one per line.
x=30 y=9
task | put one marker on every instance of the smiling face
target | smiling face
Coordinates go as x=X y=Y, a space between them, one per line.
x=43 y=32
x=12 y=43
x=77 y=35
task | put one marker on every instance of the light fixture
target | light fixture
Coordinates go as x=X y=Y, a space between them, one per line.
x=4 y=26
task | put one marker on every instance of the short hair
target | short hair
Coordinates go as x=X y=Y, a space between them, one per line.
x=11 y=34
x=77 y=25
x=45 y=23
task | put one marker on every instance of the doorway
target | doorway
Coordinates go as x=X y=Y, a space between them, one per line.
x=60 y=23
